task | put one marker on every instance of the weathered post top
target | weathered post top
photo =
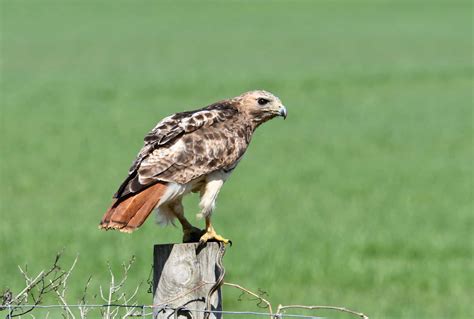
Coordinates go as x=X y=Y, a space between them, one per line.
x=187 y=279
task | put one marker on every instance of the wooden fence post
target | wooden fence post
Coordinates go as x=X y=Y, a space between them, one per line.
x=187 y=277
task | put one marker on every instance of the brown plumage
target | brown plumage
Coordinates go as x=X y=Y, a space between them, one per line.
x=186 y=152
x=130 y=213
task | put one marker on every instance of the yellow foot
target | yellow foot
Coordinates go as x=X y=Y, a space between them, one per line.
x=211 y=235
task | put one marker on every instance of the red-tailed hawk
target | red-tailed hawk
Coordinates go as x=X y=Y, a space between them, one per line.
x=187 y=152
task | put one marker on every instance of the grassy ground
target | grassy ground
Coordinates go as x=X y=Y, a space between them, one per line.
x=363 y=197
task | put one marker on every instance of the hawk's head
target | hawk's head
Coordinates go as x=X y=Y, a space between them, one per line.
x=260 y=106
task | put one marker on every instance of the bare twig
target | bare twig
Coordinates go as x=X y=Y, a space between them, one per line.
x=259 y=298
x=61 y=288
x=342 y=309
x=35 y=288
x=65 y=305
x=30 y=284
x=115 y=296
x=83 y=308
x=55 y=280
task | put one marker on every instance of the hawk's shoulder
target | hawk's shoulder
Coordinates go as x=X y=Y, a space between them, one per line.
x=189 y=121
x=160 y=148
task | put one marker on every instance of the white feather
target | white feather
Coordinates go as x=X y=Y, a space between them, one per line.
x=209 y=191
x=214 y=182
x=164 y=215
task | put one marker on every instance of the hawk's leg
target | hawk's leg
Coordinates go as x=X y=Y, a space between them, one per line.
x=211 y=235
x=191 y=234
x=209 y=194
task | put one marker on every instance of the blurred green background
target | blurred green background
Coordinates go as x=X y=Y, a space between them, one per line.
x=362 y=198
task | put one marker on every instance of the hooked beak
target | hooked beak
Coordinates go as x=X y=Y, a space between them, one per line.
x=283 y=112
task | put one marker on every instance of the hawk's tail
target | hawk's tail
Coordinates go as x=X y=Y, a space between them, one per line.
x=129 y=214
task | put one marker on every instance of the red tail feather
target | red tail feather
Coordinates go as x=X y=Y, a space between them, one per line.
x=130 y=214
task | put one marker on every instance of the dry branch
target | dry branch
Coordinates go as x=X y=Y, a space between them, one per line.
x=55 y=280
x=341 y=309
x=36 y=288
x=258 y=297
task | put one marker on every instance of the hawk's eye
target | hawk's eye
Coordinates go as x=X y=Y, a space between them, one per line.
x=262 y=101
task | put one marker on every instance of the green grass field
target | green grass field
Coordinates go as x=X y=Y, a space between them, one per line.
x=362 y=198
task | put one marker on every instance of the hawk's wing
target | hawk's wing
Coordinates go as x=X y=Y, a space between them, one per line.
x=185 y=146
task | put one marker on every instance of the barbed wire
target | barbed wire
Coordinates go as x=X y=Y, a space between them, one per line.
x=145 y=314
x=175 y=310
x=124 y=305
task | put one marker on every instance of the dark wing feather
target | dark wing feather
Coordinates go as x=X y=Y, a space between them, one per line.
x=161 y=154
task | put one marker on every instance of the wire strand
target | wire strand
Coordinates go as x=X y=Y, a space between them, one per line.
x=143 y=307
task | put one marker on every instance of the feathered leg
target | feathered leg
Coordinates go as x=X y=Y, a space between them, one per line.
x=208 y=202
